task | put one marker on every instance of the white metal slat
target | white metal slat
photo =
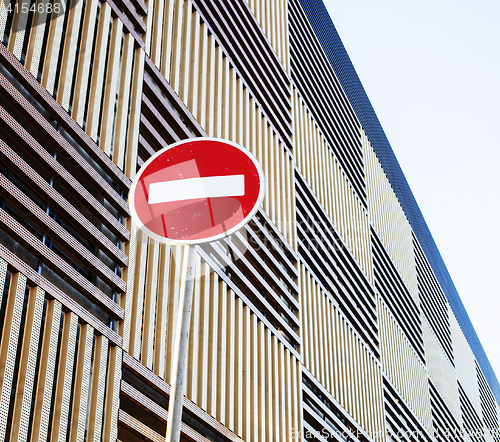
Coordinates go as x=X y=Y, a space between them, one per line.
x=156 y=32
x=247 y=375
x=46 y=372
x=254 y=381
x=84 y=61
x=175 y=66
x=98 y=388
x=222 y=356
x=213 y=356
x=194 y=54
x=150 y=303
x=201 y=98
x=52 y=51
x=184 y=85
x=4 y=13
x=194 y=336
x=173 y=304
x=239 y=368
x=205 y=302
x=18 y=31
x=64 y=87
x=122 y=113
x=166 y=52
x=3 y=274
x=138 y=296
x=152 y=9
x=8 y=347
x=134 y=114
x=110 y=88
x=162 y=312
x=268 y=400
x=29 y=359
x=128 y=276
x=65 y=376
x=81 y=397
x=116 y=395
x=110 y=427
x=97 y=81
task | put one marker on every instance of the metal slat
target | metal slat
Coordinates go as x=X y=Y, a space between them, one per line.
x=8 y=346
x=29 y=357
x=64 y=378
x=46 y=372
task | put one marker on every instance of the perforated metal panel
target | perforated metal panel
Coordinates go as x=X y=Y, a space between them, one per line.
x=8 y=347
x=334 y=49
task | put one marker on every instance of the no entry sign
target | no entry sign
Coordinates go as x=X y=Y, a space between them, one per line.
x=196 y=191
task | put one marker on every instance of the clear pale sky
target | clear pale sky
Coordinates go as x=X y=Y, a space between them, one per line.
x=432 y=70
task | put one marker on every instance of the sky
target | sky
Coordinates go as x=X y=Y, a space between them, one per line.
x=431 y=70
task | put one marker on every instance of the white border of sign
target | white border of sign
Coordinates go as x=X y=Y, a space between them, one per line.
x=162 y=239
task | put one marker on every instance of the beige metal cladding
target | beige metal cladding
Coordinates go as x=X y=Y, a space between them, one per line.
x=239 y=371
x=336 y=356
x=272 y=16
x=80 y=400
x=326 y=178
x=191 y=60
x=101 y=93
x=27 y=365
x=8 y=346
x=440 y=370
x=403 y=367
x=174 y=27
x=465 y=365
x=389 y=219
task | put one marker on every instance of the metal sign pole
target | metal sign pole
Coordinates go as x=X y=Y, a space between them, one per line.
x=181 y=346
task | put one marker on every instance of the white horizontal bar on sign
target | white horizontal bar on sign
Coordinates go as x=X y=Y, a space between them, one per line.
x=195 y=188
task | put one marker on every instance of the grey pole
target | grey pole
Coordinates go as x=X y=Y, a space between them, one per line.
x=181 y=346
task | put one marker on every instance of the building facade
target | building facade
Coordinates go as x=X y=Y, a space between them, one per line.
x=329 y=317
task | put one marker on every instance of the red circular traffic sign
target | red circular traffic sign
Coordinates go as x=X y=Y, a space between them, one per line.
x=196 y=191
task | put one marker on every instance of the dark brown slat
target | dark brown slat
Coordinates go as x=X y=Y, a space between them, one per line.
x=150 y=406
x=161 y=386
x=155 y=101
x=58 y=113
x=252 y=306
x=287 y=248
x=173 y=98
x=349 y=423
x=27 y=141
x=253 y=39
x=260 y=300
x=48 y=193
x=138 y=427
x=346 y=261
x=51 y=290
x=143 y=142
x=140 y=7
x=65 y=241
x=160 y=122
x=318 y=58
x=129 y=11
x=148 y=132
x=126 y=23
x=252 y=80
x=276 y=265
x=348 y=154
x=64 y=148
x=217 y=17
x=332 y=276
x=367 y=334
x=256 y=271
x=58 y=265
